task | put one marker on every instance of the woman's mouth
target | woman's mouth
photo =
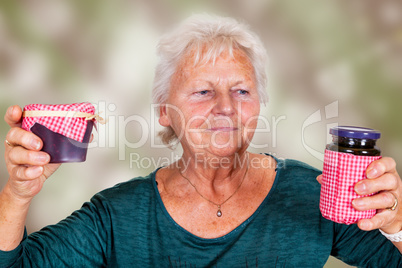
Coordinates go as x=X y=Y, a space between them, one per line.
x=223 y=129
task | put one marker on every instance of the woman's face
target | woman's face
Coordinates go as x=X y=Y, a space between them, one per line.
x=213 y=107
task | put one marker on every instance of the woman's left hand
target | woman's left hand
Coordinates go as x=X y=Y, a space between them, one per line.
x=382 y=180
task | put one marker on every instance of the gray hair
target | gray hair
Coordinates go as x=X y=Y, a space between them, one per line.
x=219 y=34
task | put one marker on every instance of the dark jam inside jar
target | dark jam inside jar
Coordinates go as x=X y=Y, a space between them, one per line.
x=60 y=148
x=354 y=140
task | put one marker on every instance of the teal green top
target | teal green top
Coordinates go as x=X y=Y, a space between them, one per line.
x=128 y=226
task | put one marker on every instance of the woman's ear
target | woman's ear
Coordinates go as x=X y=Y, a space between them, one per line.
x=163 y=118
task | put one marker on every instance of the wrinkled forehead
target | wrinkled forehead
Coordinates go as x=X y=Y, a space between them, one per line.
x=192 y=63
x=209 y=52
x=197 y=56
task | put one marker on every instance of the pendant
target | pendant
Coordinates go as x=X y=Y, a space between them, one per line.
x=219 y=212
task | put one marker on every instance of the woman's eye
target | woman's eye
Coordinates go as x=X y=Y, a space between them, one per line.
x=242 y=92
x=203 y=92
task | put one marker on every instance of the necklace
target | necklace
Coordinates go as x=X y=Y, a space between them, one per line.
x=219 y=212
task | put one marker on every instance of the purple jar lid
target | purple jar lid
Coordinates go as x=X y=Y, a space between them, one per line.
x=355 y=132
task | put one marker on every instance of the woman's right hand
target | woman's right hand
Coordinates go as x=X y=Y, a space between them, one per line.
x=27 y=166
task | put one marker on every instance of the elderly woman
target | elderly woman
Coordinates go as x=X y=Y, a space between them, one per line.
x=219 y=205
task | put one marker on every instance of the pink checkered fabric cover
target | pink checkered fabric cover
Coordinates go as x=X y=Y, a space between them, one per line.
x=71 y=127
x=340 y=174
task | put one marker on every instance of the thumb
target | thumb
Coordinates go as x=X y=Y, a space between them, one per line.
x=13 y=116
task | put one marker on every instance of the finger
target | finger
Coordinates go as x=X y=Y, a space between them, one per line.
x=388 y=182
x=21 y=156
x=381 y=200
x=379 y=220
x=319 y=179
x=92 y=138
x=27 y=173
x=13 y=116
x=19 y=137
x=380 y=166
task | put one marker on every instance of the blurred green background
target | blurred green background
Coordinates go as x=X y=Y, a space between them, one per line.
x=331 y=62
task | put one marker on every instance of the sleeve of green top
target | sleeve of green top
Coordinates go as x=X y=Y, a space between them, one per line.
x=364 y=249
x=8 y=258
x=80 y=240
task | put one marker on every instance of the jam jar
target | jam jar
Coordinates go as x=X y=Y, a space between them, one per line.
x=354 y=140
x=345 y=162
x=65 y=129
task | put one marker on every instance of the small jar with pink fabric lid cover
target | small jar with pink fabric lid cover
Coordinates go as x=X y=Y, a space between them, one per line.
x=65 y=129
x=345 y=162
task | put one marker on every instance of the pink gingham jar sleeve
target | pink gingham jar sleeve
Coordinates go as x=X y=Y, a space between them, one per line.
x=341 y=172
x=73 y=127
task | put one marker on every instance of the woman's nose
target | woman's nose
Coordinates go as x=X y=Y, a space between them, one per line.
x=224 y=105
